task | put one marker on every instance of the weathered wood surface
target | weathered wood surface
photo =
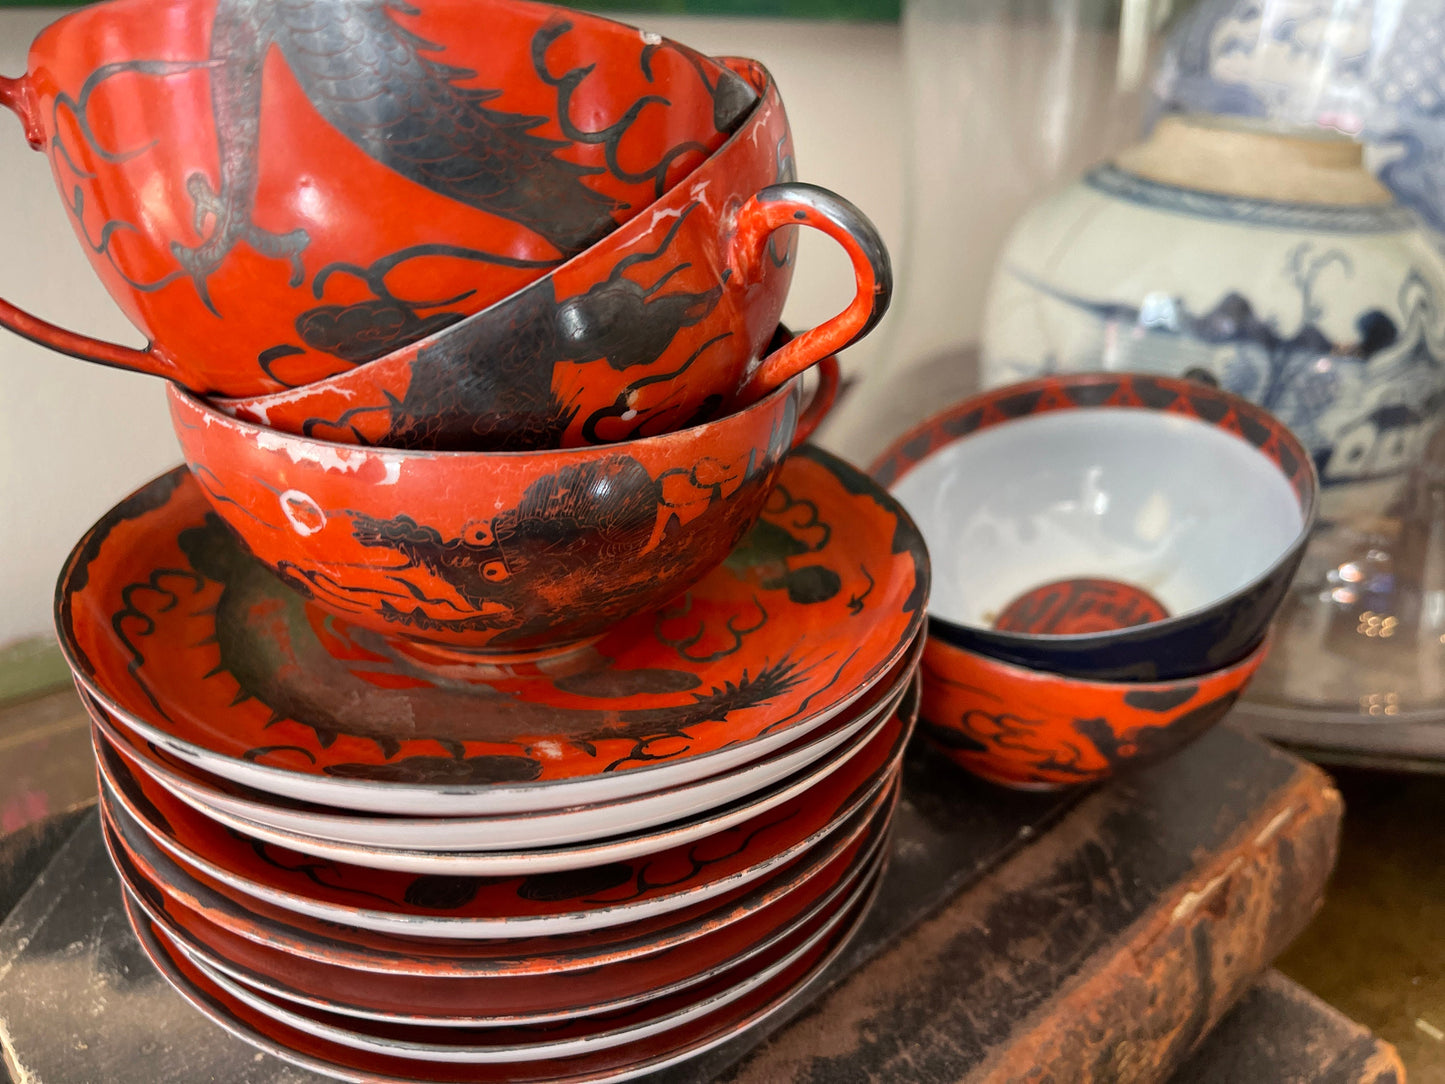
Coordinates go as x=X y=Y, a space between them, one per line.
x=1280 y=1033
x=1105 y=951
x=1017 y=938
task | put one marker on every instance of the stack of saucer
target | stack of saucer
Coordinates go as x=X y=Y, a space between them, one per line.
x=384 y=864
x=495 y=693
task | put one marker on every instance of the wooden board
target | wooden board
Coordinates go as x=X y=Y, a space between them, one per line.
x=1103 y=951
x=1018 y=937
x=1280 y=1033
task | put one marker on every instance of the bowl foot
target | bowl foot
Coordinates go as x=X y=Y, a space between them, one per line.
x=480 y=663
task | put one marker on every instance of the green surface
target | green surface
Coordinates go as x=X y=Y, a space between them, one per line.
x=31 y=667
x=1377 y=949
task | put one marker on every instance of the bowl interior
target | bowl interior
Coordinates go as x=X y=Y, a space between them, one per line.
x=1115 y=515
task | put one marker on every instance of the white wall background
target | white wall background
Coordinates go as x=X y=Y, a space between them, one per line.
x=76 y=437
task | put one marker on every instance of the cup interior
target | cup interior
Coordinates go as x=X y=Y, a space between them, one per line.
x=1115 y=515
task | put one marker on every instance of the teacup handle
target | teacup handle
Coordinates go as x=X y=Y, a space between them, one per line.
x=795 y=204
x=824 y=395
x=17 y=96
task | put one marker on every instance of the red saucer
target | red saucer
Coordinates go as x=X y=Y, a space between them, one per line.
x=242 y=807
x=582 y=1035
x=618 y=1063
x=341 y=897
x=511 y=999
x=192 y=643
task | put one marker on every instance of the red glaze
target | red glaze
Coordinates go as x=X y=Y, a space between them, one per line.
x=276 y=192
x=169 y=622
x=506 y=999
x=501 y=553
x=627 y=1060
x=586 y=1032
x=595 y=896
x=177 y=775
x=656 y=327
x=182 y=893
x=1028 y=728
x=442 y=860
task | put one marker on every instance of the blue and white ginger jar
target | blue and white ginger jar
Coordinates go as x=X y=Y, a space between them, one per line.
x=1271 y=265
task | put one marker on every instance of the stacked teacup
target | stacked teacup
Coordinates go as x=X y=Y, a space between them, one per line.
x=497 y=657
x=1111 y=550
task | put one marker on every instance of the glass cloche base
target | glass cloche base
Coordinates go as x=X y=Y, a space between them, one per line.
x=1357 y=672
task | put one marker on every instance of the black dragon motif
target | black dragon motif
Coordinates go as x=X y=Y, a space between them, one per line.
x=384 y=88
x=368 y=76
x=547 y=547
x=290 y=670
x=487 y=385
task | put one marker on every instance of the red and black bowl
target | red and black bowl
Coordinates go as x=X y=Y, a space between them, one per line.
x=1106 y=526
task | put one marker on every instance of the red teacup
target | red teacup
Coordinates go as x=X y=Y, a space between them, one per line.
x=496 y=553
x=276 y=192
x=658 y=326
